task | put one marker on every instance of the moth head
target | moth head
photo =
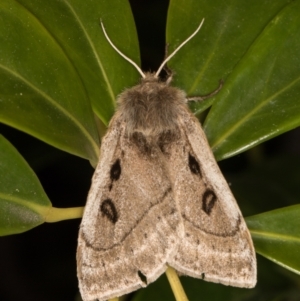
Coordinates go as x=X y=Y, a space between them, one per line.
x=155 y=75
x=150 y=77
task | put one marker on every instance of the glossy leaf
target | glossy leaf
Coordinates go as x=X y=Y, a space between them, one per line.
x=54 y=61
x=76 y=27
x=229 y=29
x=23 y=202
x=261 y=97
x=257 y=59
x=41 y=92
x=276 y=235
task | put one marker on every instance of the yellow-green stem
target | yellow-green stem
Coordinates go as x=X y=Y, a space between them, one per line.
x=60 y=214
x=176 y=286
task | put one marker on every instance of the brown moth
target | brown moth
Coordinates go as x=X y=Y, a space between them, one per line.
x=158 y=198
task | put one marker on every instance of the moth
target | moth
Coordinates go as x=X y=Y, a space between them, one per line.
x=158 y=198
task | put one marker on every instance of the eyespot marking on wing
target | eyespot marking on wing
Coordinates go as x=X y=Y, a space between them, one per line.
x=208 y=201
x=115 y=171
x=194 y=165
x=109 y=210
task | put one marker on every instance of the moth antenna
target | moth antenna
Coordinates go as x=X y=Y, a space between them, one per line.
x=175 y=51
x=121 y=54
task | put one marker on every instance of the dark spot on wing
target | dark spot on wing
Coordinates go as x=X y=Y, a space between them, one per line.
x=109 y=210
x=208 y=201
x=194 y=165
x=203 y=276
x=172 y=211
x=141 y=142
x=142 y=277
x=115 y=171
x=166 y=138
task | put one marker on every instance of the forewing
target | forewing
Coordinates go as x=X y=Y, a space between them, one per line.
x=129 y=227
x=216 y=244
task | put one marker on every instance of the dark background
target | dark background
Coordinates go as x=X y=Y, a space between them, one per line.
x=40 y=264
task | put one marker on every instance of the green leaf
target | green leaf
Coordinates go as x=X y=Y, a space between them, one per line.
x=41 y=92
x=230 y=27
x=261 y=96
x=23 y=202
x=253 y=46
x=276 y=235
x=103 y=71
x=55 y=61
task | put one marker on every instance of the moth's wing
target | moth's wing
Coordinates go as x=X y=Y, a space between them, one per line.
x=130 y=223
x=216 y=244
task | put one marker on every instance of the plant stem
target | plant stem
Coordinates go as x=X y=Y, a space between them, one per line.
x=60 y=214
x=176 y=286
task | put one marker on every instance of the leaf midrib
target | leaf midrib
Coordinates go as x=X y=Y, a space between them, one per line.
x=38 y=208
x=275 y=236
